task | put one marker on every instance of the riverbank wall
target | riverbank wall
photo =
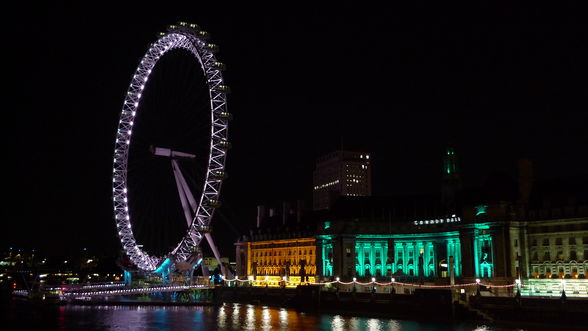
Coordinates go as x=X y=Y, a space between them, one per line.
x=420 y=304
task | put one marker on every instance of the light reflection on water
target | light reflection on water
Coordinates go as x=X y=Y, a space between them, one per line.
x=225 y=317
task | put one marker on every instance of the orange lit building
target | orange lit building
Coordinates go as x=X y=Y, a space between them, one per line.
x=273 y=261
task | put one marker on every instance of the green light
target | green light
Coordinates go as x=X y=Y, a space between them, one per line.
x=327 y=259
x=412 y=235
x=372 y=253
x=483 y=252
x=327 y=225
x=165 y=265
x=481 y=209
x=482 y=226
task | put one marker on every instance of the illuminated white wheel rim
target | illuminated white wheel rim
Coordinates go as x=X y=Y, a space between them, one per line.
x=190 y=38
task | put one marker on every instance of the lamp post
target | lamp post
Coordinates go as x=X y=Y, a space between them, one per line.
x=478 y=287
x=392 y=289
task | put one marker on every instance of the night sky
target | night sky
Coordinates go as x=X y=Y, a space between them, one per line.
x=404 y=83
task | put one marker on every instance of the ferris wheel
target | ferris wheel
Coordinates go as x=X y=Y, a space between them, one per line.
x=170 y=150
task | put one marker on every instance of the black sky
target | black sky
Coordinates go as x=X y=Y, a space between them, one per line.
x=403 y=83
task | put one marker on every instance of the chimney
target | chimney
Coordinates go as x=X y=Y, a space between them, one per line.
x=299 y=207
x=285 y=208
x=260 y=215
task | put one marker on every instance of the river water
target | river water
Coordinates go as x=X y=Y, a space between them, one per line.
x=21 y=315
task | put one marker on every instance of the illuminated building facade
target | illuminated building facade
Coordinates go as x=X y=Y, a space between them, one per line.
x=539 y=239
x=558 y=248
x=368 y=255
x=339 y=173
x=491 y=242
x=282 y=258
x=280 y=251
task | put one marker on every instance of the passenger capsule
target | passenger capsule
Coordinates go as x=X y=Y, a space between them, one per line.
x=227 y=115
x=220 y=66
x=214 y=203
x=204 y=35
x=224 y=88
x=212 y=47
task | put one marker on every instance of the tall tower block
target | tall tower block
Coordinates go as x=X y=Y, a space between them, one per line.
x=341 y=173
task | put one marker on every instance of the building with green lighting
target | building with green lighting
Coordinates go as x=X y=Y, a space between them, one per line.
x=487 y=242
x=411 y=248
x=536 y=232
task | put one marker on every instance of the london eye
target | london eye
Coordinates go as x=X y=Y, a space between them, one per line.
x=170 y=149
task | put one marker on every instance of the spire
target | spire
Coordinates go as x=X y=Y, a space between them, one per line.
x=451 y=183
x=450 y=163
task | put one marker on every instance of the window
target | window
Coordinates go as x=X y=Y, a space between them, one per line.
x=558 y=241
x=348 y=252
x=585 y=240
x=560 y=256
x=516 y=243
x=534 y=242
x=573 y=255
x=572 y=241
x=546 y=256
x=546 y=242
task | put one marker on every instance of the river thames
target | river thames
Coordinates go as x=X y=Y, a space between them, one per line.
x=21 y=315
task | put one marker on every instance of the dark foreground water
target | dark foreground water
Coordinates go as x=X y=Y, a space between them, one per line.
x=21 y=315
